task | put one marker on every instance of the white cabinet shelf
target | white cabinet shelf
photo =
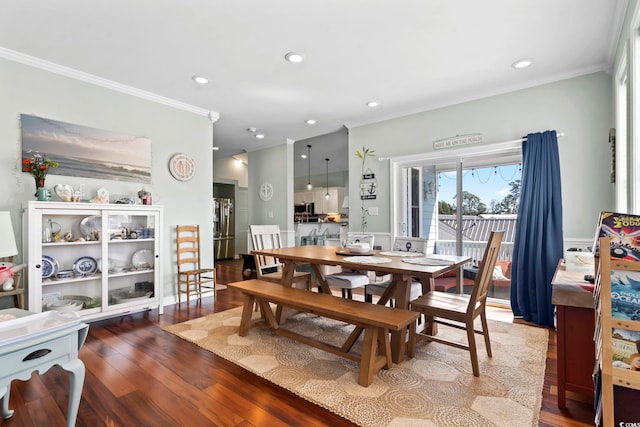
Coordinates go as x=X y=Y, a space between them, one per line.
x=127 y=277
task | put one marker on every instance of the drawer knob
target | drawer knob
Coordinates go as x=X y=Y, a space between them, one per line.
x=36 y=354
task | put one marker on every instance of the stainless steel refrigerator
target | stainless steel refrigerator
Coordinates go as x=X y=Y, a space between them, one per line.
x=223 y=228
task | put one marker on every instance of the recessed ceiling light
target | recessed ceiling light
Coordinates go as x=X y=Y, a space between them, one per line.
x=200 y=80
x=304 y=156
x=216 y=148
x=259 y=136
x=372 y=104
x=294 y=57
x=310 y=122
x=523 y=63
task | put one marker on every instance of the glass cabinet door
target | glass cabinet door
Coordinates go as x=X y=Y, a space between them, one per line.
x=68 y=263
x=131 y=254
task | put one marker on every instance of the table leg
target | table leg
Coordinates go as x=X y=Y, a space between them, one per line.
x=4 y=392
x=320 y=278
x=75 y=368
x=288 y=270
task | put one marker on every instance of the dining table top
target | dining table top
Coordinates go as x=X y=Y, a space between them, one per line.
x=385 y=261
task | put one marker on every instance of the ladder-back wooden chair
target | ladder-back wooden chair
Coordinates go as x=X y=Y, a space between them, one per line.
x=460 y=311
x=192 y=277
x=269 y=268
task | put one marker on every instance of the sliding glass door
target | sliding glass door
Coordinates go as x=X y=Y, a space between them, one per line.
x=456 y=202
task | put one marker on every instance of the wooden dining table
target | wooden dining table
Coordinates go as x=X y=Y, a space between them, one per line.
x=403 y=268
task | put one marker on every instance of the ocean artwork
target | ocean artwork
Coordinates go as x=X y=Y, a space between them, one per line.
x=87 y=152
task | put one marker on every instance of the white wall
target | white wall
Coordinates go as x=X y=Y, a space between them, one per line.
x=227 y=169
x=580 y=107
x=274 y=165
x=28 y=90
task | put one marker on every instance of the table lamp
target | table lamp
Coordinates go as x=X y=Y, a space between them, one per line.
x=7 y=239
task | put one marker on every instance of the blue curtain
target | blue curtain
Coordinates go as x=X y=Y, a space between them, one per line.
x=538 y=240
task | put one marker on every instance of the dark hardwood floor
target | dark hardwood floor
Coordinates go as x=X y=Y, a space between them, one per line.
x=138 y=375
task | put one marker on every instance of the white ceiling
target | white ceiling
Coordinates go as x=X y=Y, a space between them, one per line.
x=409 y=55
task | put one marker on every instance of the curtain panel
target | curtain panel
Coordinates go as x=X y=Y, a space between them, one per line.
x=538 y=239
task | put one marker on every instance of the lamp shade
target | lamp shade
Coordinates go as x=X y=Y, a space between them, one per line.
x=7 y=238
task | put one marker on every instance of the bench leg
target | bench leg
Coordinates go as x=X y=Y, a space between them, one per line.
x=384 y=346
x=367 y=362
x=411 y=345
x=398 y=339
x=267 y=314
x=247 y=312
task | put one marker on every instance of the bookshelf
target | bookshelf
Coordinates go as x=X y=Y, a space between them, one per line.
x=617 y=339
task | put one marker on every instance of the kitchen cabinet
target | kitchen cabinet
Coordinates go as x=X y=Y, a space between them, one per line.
x=97 y=259
x=333 y=205
x=304 y=197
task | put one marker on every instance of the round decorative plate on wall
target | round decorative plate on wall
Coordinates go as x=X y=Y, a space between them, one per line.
x=182 y=167
x=266 y=191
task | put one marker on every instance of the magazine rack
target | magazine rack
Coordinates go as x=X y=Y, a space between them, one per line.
x=617 y=338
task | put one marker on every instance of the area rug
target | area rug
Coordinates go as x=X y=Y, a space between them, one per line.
x=436 y=388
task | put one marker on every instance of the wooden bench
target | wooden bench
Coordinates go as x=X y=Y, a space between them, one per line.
x=376 y=321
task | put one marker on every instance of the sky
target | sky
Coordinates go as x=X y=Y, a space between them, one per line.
x=487 y=183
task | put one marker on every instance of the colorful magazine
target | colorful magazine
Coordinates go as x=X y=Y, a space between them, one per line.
x=626 y=349
x=625 y=295
x=624 y=230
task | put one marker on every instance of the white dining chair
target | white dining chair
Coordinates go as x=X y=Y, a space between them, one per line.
x=347 y=280
x=400 y=244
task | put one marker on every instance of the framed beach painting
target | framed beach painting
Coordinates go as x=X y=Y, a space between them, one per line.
x=87 y=152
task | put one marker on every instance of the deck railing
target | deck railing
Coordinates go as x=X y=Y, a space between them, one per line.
x=472 y=249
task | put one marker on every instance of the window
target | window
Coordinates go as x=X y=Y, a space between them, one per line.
x=457 y=196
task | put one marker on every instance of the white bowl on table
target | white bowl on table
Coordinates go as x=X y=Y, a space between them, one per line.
x=358 y=248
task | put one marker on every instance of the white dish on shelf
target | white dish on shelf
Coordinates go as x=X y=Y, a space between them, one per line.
x=142 y=258
x=129 y=296
x=65 y=305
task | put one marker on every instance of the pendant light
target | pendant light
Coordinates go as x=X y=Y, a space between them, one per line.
x=326 y=196
x=309 y=186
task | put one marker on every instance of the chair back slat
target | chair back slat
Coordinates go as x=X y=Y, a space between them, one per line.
x=188 y=247
x=265 y=237
x=410 y=244
x=485 y=272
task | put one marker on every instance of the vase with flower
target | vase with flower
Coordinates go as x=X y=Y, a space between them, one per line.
x=38 y=166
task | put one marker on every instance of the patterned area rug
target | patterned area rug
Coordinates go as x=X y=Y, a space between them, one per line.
x=436 y=388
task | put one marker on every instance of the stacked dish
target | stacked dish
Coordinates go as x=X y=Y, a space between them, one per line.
x=65 y=305
x=129 y=296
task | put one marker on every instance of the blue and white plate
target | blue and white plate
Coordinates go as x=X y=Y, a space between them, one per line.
x=85 y=265
x=49 y=266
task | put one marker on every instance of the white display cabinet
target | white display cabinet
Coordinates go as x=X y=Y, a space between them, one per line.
x=98 y=259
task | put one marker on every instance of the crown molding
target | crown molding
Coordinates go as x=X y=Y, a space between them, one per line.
x=99 y=81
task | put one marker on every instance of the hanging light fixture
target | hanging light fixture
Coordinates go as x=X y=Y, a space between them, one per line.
x=309 y=186
x=326 y=196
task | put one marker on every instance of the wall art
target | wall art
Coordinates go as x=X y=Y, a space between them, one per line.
x=87 y=152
